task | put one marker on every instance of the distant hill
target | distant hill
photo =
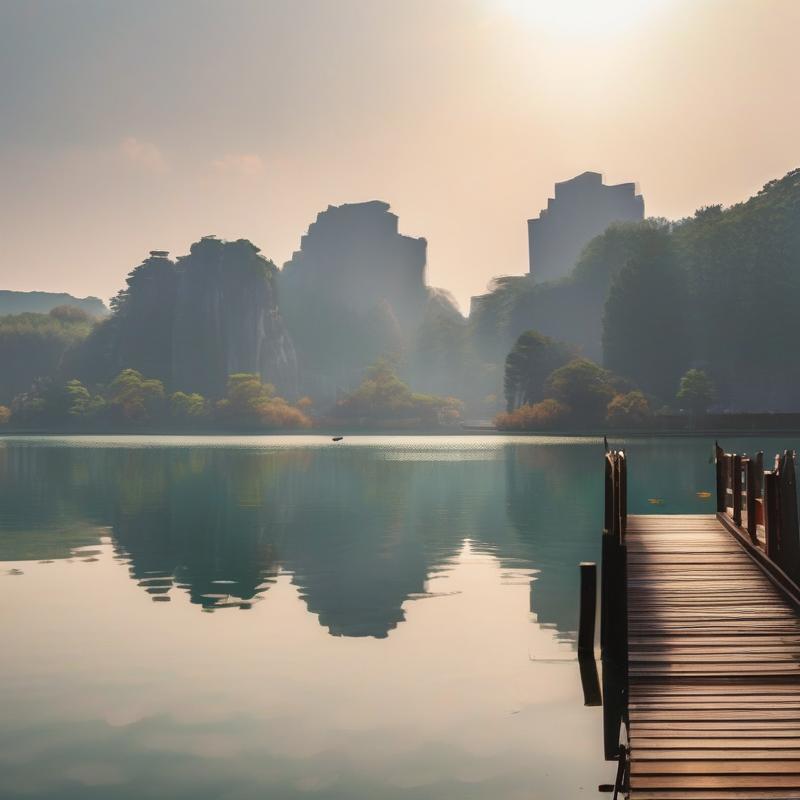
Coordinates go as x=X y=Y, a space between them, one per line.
x=43 y=302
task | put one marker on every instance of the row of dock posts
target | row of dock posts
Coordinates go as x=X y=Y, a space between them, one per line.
x=757 y=505
x=613 y=614
x=760 y=507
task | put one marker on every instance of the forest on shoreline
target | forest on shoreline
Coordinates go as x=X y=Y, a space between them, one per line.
x=657 y=320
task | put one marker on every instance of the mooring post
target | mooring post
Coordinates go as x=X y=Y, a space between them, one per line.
x=736 y=487
x=790 y=535
x=719 y=460
x=588 y=611
x=753 y=489
x=772 y=517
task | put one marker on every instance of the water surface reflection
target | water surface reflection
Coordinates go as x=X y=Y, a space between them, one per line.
x=408 y=628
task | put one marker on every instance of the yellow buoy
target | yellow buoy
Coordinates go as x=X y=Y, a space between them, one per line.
x=656 y=501
x=704 y=495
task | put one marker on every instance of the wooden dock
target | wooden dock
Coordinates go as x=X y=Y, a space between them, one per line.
x=711 y=639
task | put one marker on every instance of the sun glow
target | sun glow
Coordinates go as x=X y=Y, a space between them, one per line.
x=580 y=17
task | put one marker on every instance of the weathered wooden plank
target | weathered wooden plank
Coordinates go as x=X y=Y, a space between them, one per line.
x=665 y=744
x=718 y=794
x=773 y=768
x=714 y=667
x=761 y=781
x=721 y=703
x=643 y=753
x=704 y=715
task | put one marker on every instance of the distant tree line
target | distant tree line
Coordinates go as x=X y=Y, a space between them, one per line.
x=717 y=292
x=133 y=401
x=580 y=394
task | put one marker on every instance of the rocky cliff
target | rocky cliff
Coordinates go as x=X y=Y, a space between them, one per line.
x=354 y=292
x=354 y=256
x=227 y=319
x=194 y=321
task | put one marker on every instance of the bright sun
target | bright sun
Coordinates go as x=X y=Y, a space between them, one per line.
x=600 y=17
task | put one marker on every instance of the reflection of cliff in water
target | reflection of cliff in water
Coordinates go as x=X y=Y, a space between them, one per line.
x=195 y=526
x=360 y=530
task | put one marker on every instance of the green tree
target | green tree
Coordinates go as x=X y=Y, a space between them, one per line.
x=139 y=333
x=530 y=361
x=547 y=415
x=36 y=346
x=383 y=398
x=583 y=387
x=80 y=402
x=630 y=408
x=251 y=402
x=742 y=267
x=188 y=407
x=132 y=398
x=645 y=322
x=696 y=391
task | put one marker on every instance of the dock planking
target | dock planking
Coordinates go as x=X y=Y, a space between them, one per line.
x=700 y=637
x=713 y=667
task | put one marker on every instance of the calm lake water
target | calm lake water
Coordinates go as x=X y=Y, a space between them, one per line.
x=385 y=617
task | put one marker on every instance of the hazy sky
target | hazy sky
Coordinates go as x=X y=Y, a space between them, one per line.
x=130 y=126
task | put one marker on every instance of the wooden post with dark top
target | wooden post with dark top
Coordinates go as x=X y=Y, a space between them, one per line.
x=588 y=609
x=749 y=495
x=736 y=487
x=790 y=536
x=755 y=477
x=613 y=621
x=719 y=461
x=772 y=515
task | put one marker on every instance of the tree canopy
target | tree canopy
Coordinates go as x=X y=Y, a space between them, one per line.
x=645 y=335
x=583 y=387
x=696 y=391
x=530 y=361
x=38 y=346
x=383 y=398
x=251 y=402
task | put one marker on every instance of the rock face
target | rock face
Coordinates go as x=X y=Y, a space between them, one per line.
x=354 y=292
x=227 y=319
x=582 y=208
x=192 y=322
x=355 y=257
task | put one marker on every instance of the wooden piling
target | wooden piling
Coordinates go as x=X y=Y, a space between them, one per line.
x=588 y=610
x=719 y=461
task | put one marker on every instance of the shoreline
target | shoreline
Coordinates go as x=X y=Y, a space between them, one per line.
x=444 y=432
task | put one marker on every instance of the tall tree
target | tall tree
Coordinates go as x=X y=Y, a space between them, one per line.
x=645 y=336
x=584 y=388
x=696 y=391
x=530 y=361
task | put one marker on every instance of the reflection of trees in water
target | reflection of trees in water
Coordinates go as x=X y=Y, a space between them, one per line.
x=45 y=503
x=554 y=499
x=359 y=530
